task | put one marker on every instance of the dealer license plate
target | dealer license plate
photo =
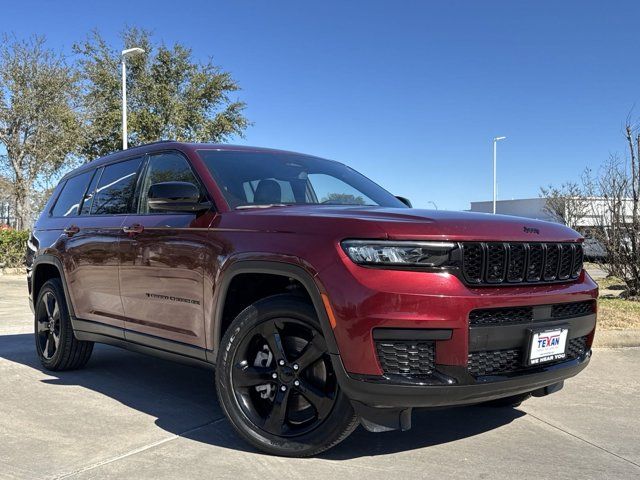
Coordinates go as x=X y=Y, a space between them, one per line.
x=548 y=345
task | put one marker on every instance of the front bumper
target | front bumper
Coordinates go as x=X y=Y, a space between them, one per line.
x=454 y=388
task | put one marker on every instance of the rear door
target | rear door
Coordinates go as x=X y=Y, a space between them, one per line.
x=162 y=263
x=92 y=229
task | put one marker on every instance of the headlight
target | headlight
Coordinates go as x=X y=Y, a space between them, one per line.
x=399 y=253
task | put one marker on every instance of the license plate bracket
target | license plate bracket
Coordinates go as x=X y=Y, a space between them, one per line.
x=547 y=345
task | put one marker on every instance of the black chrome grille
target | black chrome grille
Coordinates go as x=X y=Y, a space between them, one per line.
x=406 y=358
x=494 y=362
x=501 y=316
x=515 y=315
x=575 y=309
x=497 y=263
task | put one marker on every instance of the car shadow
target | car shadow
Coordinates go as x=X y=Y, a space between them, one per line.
x=182 y=399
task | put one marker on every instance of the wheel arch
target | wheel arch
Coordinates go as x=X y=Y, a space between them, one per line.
x=270 y=268
x=41 y=271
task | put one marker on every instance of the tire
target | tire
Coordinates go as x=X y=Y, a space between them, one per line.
x=508 y=402
x=56 y=345
x=309 y=416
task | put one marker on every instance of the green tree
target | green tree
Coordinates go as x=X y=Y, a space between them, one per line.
x=170 y=96
x=39 y=123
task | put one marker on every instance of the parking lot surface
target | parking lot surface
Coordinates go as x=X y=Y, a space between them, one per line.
x=131 y=416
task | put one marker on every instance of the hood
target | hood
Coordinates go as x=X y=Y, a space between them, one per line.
x=405 y=224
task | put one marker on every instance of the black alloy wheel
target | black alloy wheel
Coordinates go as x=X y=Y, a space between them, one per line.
x=276 y=383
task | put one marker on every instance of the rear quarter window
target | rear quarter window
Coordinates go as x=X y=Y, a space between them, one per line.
x=68 y=202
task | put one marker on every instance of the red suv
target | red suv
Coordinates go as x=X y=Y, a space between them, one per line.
x=322 y=300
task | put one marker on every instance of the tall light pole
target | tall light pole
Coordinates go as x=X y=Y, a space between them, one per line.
x=125 y=54
x=495 y=179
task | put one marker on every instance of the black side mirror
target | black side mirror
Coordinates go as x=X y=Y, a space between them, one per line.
x=176 y=196
x=405 y=200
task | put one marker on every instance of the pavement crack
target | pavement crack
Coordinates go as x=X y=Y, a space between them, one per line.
x=620 y=457
x=137 y=450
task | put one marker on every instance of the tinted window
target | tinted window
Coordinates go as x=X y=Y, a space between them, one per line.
x=165 y=167
x=88 y=198
x=70 y=197
x=115 y=189
x=262 y=178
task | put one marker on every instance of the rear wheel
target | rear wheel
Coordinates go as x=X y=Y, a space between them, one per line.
x=57 y=347
x=276 y=383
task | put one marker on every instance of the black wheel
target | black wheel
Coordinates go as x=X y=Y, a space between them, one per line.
x=513 y=401
x=56 y=345
x=276 y=383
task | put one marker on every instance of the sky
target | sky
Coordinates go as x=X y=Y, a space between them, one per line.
x=410 y=93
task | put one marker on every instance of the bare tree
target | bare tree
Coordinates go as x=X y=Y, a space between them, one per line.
x=39 y=124
x=566 y=204
x=617 y=211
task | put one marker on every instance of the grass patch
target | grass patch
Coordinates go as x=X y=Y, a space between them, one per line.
x=611 y=283
x=618 y=314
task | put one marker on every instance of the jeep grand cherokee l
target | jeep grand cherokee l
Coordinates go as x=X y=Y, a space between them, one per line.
x=322 y=300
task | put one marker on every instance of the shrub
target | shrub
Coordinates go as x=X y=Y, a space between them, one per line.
x=13 y=246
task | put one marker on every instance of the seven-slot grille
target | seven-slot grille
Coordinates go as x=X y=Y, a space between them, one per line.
x=496 y=362
x=406 y=358
x=494 y=263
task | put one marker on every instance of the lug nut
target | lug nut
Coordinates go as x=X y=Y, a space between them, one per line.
x=283 y=388
x=274 y=375
x=296 y=383
x=295 y=366
x=281 y=362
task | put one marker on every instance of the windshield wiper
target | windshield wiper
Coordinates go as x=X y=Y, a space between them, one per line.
x=266 y=205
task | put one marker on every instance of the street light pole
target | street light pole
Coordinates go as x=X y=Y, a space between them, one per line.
x=495 y=178
x=125 y=54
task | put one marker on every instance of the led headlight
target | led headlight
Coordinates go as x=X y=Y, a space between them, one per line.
x=399 y=253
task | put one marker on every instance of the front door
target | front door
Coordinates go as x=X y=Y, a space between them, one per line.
x=162 y=264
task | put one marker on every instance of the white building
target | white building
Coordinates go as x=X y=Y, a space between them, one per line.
x=595 y=211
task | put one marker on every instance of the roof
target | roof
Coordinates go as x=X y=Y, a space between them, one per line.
x=168 y=145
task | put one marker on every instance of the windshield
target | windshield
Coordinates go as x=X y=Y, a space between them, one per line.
x=271 y=178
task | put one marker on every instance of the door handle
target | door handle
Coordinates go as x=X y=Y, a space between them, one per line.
x=133 y=229
x=71 y=230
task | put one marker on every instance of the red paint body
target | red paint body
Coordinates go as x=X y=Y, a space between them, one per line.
x=109 y=272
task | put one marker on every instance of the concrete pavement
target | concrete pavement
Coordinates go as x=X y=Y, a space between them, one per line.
x=131 y=416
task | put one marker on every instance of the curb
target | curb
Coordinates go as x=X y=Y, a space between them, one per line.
x=616 y=338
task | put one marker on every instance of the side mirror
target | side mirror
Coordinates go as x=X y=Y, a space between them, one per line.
x=404 y=200
x=176 y=197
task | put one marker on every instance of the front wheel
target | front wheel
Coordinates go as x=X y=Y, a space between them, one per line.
x=276 y=383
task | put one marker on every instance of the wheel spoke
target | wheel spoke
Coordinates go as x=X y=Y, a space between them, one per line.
x=246 y=376
x=49 y=304
x=45 y=350
x=311 y=353
x=320 y=400
x=56 y=341
x=275 y=421
x=42 y=326
x=271 y=333
x=56 y=311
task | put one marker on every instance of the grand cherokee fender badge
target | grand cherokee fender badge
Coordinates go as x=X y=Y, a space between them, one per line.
x=531 y=230
x=172 y=299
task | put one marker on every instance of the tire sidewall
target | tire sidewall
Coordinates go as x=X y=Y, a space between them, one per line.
x=324 y=435
x=55 y=287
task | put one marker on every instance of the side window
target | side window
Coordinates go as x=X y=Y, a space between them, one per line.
x=115 y=188
x=164 y=167
x=68 y=203
x=88 y=197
